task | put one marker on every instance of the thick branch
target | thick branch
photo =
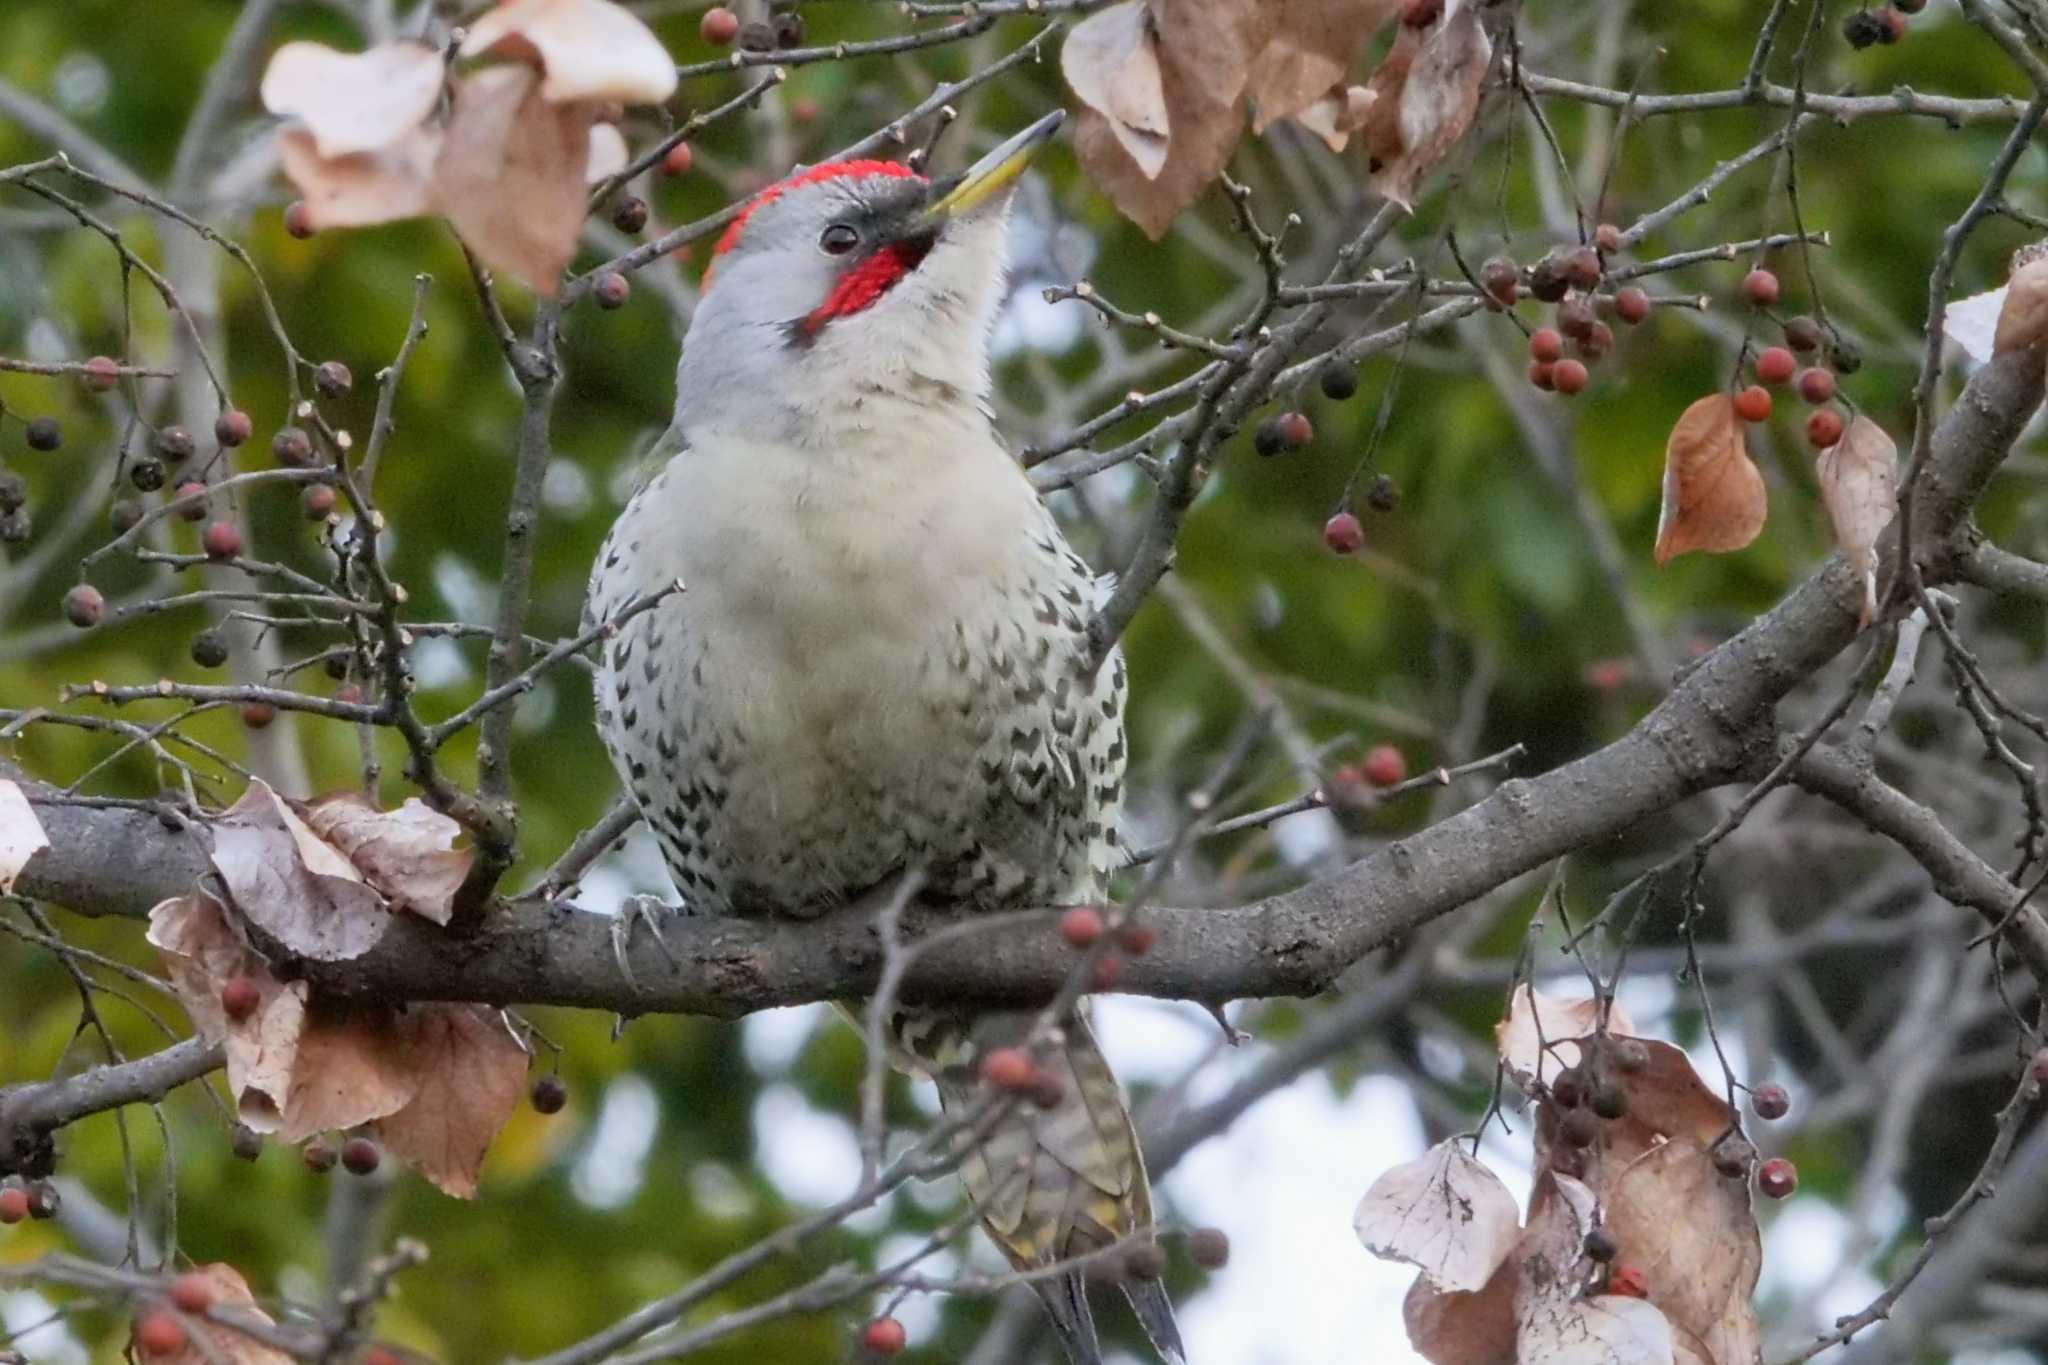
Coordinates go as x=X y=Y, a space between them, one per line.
x=1715 y=724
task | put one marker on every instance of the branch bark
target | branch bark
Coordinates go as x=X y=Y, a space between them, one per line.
x=1716 y=724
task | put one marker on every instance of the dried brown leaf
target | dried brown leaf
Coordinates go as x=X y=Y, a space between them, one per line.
x=511 y=174
x=1309 y=53
x=352 y=1065
x=1204 y=49
x=472 y=1076
x=1425 y=93
x=21 y=834
x=1464 y=1327
x=1693 y=1234
x=1533 y=1039
x=1338 y=114
x=2023 y=316
x=408 y=854
x=1713 y=495
x=289 y=883
x=364 y=189
x=202 y=950
x=1610 y=1329
x=589 y=49
x=1444 y=1213
x=216 y=1343
x=1111 y=62
x=1859 y=487
x=354 y=102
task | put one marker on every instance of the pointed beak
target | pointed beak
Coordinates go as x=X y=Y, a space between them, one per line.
x=988 y=177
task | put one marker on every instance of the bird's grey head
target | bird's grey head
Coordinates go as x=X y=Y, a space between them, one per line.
x=846 y=278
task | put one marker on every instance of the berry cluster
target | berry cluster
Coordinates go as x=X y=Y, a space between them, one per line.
x=1775 y=366
x=1568 y=278
x=783 y=29
x=1886 y=24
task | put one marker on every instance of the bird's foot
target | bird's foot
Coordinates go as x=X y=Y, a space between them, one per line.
x=651 y=911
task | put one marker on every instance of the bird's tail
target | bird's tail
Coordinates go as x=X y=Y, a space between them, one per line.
x=1057 y=1175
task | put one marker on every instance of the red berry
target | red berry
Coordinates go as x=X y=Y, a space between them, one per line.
x=1385 y=765
x=1545 y=345
x=1816 y=385
x=360 y=1155
x=1775 y=364
x=159 y=1333
x=549 y=1095
x=233 y=427
x=100 y=374
x=1047 y=1090
x=1629 y=1281
x=1421 y=13
x=292 y=448
x=191 y=498
x=1760 y=287
x=1607 y=675
x=83 y=606
x=192 y=1292
x=1575 y=318
x=1109 y=969
x=883 y=1336
x=1824 y=428
x=1581 y=267
x=1802 y=334
x=804 y=110
x=221 y=540
x=1596 y=343
x=13 y=1204
x=1753 y=404
x=1777 y=1178
x=1501 y=280
x=351 y=695
x=1343 y=533
x=1569 y=375
x=1770 y=1102
x=2039 y=1066
x=613 y=290
x=677 y=160
x=175 y=444
x=298 y=219
x=1009 y=1068
x=1543 y=376
x=1294 y=429
x=719 y=26
x=1209 y=1248
x=239 y=998
x=1136 y=939
x=1081 y=925
x=317 y=501
x=257 y=715
x=333 y=379
x=1631 y=305
x=1894 y=25
x=380 y=1355
x=1607 y=237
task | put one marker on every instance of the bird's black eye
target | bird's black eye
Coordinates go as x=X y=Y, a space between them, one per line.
x=838 y=239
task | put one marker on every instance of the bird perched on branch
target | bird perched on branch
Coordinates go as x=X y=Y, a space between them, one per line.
x=880 y=661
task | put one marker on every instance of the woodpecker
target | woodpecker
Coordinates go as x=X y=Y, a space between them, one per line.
x=880 y=662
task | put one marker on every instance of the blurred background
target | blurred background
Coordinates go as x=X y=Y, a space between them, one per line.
x=1508 y=598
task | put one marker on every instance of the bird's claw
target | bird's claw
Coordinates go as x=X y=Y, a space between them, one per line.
x=647 y=910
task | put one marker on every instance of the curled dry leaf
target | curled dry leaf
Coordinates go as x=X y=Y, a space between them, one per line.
x=408 y=854
x=354 y=1064
x=470 y=1077
x=354 y=102
x=1610 y=1329
x=1713 y=494
x=291 y=884
x=511 y=174
x=21 y=834
x=1111 y=62
x=1858 y=485
x=209 y=1342
x=1338 y=114
x=1308 y=53
x=1532 y=1040
x=1463 y=1327
x=1204 y=48
x=1425 y=92
x=588 y=49
x=1443 y=1213
x=202 y=951
x=2023 y=315
x=366 y=188
x=1693 y=1234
